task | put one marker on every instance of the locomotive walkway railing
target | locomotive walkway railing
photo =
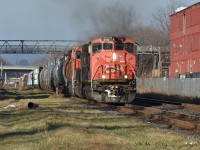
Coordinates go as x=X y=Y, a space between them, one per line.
x=37 y=46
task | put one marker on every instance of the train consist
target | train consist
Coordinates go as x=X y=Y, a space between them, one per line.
x=103 y=70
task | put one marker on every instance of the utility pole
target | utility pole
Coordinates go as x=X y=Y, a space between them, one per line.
x=154 y=74
x=5 y=81
x=1 y=71
x=1 y=79
x=159 y=62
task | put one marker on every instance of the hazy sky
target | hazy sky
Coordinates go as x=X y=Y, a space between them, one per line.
x=59 y=19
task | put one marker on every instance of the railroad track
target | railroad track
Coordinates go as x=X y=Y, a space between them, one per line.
x=192 y=107
x=183 y=121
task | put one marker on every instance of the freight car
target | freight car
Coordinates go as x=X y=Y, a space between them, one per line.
x=30 y=79
x=185 y=43
x=103 y=70
x=23 y=80
x=46 y=77
x=58 y=84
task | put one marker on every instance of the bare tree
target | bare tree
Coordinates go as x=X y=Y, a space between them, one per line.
x=161 y=19
x=114 y=20
x=146 y=35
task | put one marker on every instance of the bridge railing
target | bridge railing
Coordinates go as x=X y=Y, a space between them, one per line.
x=19 y=67
x=37 y=46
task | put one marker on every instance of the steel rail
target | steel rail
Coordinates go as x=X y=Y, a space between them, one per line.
x=183 y=121
x=192 y=107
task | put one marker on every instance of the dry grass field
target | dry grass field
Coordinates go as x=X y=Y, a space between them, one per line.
x=60 y=123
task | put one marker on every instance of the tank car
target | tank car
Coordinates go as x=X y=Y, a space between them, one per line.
x=23 y=80
x=30 y=79
x=46 y=75
x=42 y=77
x=103 y=70
x=35 y=77
x=49 y=77
x=57 y=75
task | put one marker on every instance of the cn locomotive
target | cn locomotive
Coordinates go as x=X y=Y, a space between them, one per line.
x=104 y=70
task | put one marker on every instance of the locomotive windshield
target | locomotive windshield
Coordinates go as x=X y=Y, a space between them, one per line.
x=129 y=47
x=119 y=46
x=96 y=47
x=107 y=46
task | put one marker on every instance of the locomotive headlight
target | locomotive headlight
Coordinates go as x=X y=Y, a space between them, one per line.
x=125 y=76
x=114 y=56
x=103 y=76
